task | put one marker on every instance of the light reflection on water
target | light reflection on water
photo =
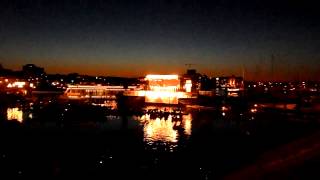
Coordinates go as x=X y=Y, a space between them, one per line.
x=15 y=114
x=159 y=130
x=165 y=131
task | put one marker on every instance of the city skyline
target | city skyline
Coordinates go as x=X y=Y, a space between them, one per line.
x=138 y=38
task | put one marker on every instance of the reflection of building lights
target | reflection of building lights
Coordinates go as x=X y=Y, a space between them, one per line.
x=233 y=94
x=14 y=114
x=160 y=130
x=187 y=124
x=165 y=130
x=255 y=105
x=110 y=104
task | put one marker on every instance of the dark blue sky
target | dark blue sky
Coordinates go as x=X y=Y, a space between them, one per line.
x=132 y=38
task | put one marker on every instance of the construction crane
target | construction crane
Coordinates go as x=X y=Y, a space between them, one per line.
x=189 y=65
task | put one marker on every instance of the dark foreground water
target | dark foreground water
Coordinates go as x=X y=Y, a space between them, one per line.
x=68 y=140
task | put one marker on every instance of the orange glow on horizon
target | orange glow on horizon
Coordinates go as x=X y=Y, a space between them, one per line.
x=161 y=77
x=256 y=72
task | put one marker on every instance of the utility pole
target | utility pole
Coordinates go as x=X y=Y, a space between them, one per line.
x=272 y=67
x=243 y=72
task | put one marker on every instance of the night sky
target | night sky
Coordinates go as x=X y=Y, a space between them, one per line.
x=132 y=38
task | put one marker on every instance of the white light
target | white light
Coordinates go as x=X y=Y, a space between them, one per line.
x=224 y=108
x=233 y=89
x=16 y=84
x=253 y=110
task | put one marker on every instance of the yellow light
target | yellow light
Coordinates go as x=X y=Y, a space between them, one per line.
x=14 y=114
x=164 y=96
x=187 y=124
x=188 y=85
x=159 y=130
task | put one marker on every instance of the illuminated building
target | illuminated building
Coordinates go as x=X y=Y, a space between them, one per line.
x=188 y=86
x=230 y=82
x=92 y=91
x=164 y=89
x=194 y=77
x=163 y=82
x=221 y=86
